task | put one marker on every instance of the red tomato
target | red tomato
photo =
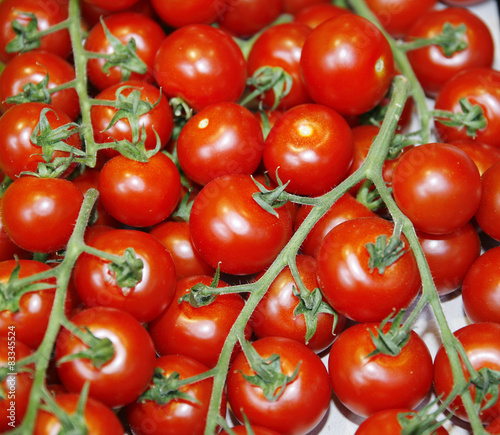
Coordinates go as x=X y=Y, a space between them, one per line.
x=256 y=430
x=295 y=6
x=147 y=34
x=17 y=152
x=116 y=5
x=221 y=139
x=481 y=288
x=196 y=332
x=346 y=280
x=368 y=385
x=274 y=315
x=33 y=208
x=8 y=249
x=303 y=402
x=176 y=237
x=481 y=342
x=312 y=147
x=494 y=426
x=98 y=418
x=178 y=416
x=126 y=375
x=226 y=222
x=462 y=2
x=450 y=256
x=315 y=14
x=140 y=194
x=344 y=50
x=488 y=212
x=484 y=155
x=431 y=65
x=210 y=69
x=480 y=86
x=32 y=67
x=47 y=15
x=96 y=283
x=91 y=13
x=281 y=46
x=177 y=13
x=437 y=186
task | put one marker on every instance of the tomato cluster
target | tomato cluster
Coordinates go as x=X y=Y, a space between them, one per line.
x=225 y=216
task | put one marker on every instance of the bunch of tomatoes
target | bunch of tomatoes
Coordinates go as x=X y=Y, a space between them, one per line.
x=229 y=216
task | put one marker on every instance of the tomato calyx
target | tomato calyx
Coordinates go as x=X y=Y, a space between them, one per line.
x=269 y=199
x=33 y=92
x=486 y=381
x=422 y=421
x=182 y=112
x=383 y=253
x=393 y=340
x=268 y=374
x=128 y=271
x=27 y=36
x=369 y=196
x=201 y=294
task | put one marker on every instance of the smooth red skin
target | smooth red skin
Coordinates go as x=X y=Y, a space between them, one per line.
x=368 y=385
x=274 y=315
x=114 y=6
x=386 y=422
x=44 y=206
x=481 y=288
x=140 y=194
x=431 y=66
x=179 y=416
x=481 y=342
x=344 y=209
x=196 y=332
x=462 y=2
x=226 y=221
x=158 y=120
x=97 y=286
x=398 y=16
x=480 y=86
x=312 y=146
x=210 y=69
x=33 y=66
x=122 y=379
x=245 y=18
x=257 y=430
x=484 y=155
x=8 y=249
x=341 y=51
x=433 y=210
x=450 y=256
x=303 y=403
x=346 y=280
x=17 y=152
x=315 y=14
x=488 y=213
x=223 y=138
x=91 y=13
x=23 y=382
x=293 y=7
x=281 y=46
x=178 y=13
x=146 y=32
x=494 y=426
x=176 y=237
x=99 y=419
x=46 y=14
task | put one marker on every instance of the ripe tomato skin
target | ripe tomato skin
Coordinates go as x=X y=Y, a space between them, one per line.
x=257 y=430
x=481 y=288
x=221 y=139
x=274 y=315
x=281 y=46
x=122 y=379
x=34 y=207
x=114 y=6
x=33 y=66
x=312 y=147
x=368 y=385
x=99 y=419
x=480 y=86
x=494 y=426
x=432 y=67
x=140 y=194
x=8 y=249
x=181 y=13
x=341 y=51
x=210 y=69
x=226 y=221
x=481 y=342
x=484 y=155
x=196 y=332
x=17 y=152
x=315 y=14
x=431 y=209
x=179 y=416
x=345 y=277
x=450 y=256
x=97 y=286
x=488 y=213
x=147 y=34
x=304 y=401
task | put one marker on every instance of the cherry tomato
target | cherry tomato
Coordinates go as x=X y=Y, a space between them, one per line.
x=114 y=6
x=257 y=430
x=303 y=402
x=494 y=426
x=437 y=186
x=484 y=155
x=315 y=14
x=366 y=385
x=462 y=2
x=344 y=50
x=488 y=212
x=293 y=7
x=178 y=13
x=8 y=249
x=126 y=375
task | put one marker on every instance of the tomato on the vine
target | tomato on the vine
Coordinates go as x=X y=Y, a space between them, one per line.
x=488 y=213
